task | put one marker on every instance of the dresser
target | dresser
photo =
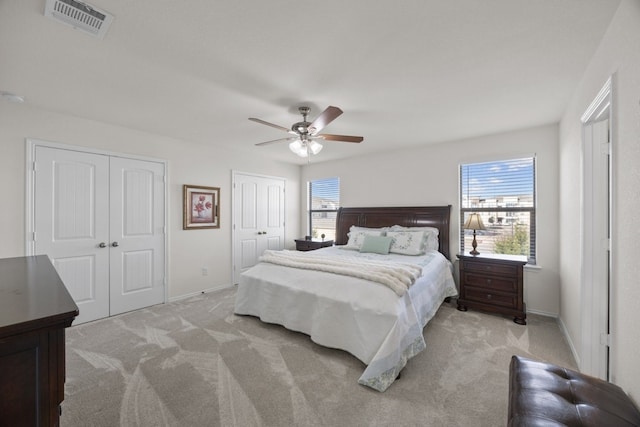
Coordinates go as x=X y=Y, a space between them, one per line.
x=35 y=309
x=310 y=245
x=493 y=283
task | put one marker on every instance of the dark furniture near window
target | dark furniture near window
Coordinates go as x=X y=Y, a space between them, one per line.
x=493 y=283
x=310 y=245
x=35 y=308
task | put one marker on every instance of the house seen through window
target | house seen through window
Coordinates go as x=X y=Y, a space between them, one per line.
x=324 y=201
x=503 y=193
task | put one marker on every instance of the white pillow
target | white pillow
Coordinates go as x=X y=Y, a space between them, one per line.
x=407 y=242
x=356 y=237
x=430 y=243
x=367 y=229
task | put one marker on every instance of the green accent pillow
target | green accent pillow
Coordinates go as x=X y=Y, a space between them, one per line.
x=376 y=244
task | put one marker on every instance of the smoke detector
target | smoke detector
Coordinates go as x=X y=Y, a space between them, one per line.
x=80 y=16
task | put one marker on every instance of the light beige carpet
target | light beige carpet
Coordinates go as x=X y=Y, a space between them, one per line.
x=195 y=363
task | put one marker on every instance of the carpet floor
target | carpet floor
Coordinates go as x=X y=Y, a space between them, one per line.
x=194 y=363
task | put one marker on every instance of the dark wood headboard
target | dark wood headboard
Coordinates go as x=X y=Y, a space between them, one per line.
x=415 y=216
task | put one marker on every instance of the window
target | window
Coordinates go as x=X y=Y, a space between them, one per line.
x=504 y=194
x=324 y=201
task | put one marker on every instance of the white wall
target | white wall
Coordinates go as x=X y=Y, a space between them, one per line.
x=188 y=163
x=428 y=175
x=618 y=55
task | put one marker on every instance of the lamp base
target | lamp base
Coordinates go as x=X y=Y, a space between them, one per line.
x=474 y=244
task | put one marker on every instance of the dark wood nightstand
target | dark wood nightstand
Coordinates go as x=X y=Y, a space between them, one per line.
x=310 y=245
x=493 y=283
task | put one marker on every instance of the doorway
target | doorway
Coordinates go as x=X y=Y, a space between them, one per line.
x=100 y=218
x=596 y=259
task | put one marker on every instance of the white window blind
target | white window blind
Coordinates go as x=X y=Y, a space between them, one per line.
x=324 y=201
x=504 y=194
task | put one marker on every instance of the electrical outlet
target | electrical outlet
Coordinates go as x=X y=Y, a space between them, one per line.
x=205 y=271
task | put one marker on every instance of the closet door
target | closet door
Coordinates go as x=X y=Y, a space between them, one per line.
x=100 y=219
x=72 y=224
x=137 y=234
x=258 y=219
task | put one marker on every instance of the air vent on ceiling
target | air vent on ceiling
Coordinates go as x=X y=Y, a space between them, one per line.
x=80 y=16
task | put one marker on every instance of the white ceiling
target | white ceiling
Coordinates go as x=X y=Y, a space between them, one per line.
x=405 y=72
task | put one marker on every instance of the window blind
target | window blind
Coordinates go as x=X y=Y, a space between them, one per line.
x=503 y=193
x=324 y=201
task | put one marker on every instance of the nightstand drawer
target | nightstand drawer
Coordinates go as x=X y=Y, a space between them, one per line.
x=494 y=283
x=481 y=295
x=491 y=268
x=490 y=282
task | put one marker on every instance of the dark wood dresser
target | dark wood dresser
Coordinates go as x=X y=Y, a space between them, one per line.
x=310 y=245
x=35 y=308
x=493 y=283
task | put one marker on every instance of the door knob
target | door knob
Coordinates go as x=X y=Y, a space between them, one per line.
x=115 y=244
x=102 y=245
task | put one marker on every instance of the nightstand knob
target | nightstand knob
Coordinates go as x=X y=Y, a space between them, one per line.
x=488 y=281
x=489 y=296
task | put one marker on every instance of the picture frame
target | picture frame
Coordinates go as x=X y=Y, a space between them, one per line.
x=201 y=207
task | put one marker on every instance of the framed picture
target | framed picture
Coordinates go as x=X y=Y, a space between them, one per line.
x=201 y=207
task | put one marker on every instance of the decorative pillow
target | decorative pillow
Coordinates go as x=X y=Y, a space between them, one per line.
x=407 y=242
x=357 y=237
x=376 y=244
x=430 y=243
x=355 y=228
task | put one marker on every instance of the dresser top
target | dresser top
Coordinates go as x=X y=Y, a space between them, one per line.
x=32 y=295
x=495 y=257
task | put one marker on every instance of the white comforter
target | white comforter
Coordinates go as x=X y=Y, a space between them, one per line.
x=395 y=275
x=366 y=319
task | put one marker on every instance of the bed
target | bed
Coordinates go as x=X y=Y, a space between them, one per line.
x=379 y=324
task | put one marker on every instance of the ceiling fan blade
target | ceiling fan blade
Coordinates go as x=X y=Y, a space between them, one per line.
x=273 y=141
x=253 y=119
x=343 y=138
x=327 y=116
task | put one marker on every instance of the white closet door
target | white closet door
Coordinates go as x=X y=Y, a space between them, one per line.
x=71 y=223
x=137 y=234
x=258 y=219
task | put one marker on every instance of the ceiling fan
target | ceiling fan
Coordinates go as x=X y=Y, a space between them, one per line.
x=304 y=142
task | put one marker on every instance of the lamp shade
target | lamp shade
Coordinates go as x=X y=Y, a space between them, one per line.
x=305 y=147
x=299 y=148
x=474 y=222
x=314 y=146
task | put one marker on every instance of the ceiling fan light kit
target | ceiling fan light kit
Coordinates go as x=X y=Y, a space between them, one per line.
x=305 y=148
x=304 y=143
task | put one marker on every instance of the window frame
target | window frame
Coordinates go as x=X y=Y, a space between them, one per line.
x=311 y=211
x=532 y=257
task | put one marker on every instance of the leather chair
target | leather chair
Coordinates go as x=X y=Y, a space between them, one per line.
x=542 y=394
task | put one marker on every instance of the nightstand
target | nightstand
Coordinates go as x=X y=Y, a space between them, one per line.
x=310 y=245
x=493 y=283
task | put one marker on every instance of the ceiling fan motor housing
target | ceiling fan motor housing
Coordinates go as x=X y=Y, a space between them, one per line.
x=301 y=128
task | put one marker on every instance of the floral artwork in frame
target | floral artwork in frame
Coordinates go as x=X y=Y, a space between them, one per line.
x=201 y=207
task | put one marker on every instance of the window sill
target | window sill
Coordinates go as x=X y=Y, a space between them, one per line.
x=532 y=267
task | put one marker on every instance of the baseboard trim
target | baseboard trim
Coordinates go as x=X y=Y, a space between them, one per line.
x=542 y=313
x=204 y=291
x=565 y=332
